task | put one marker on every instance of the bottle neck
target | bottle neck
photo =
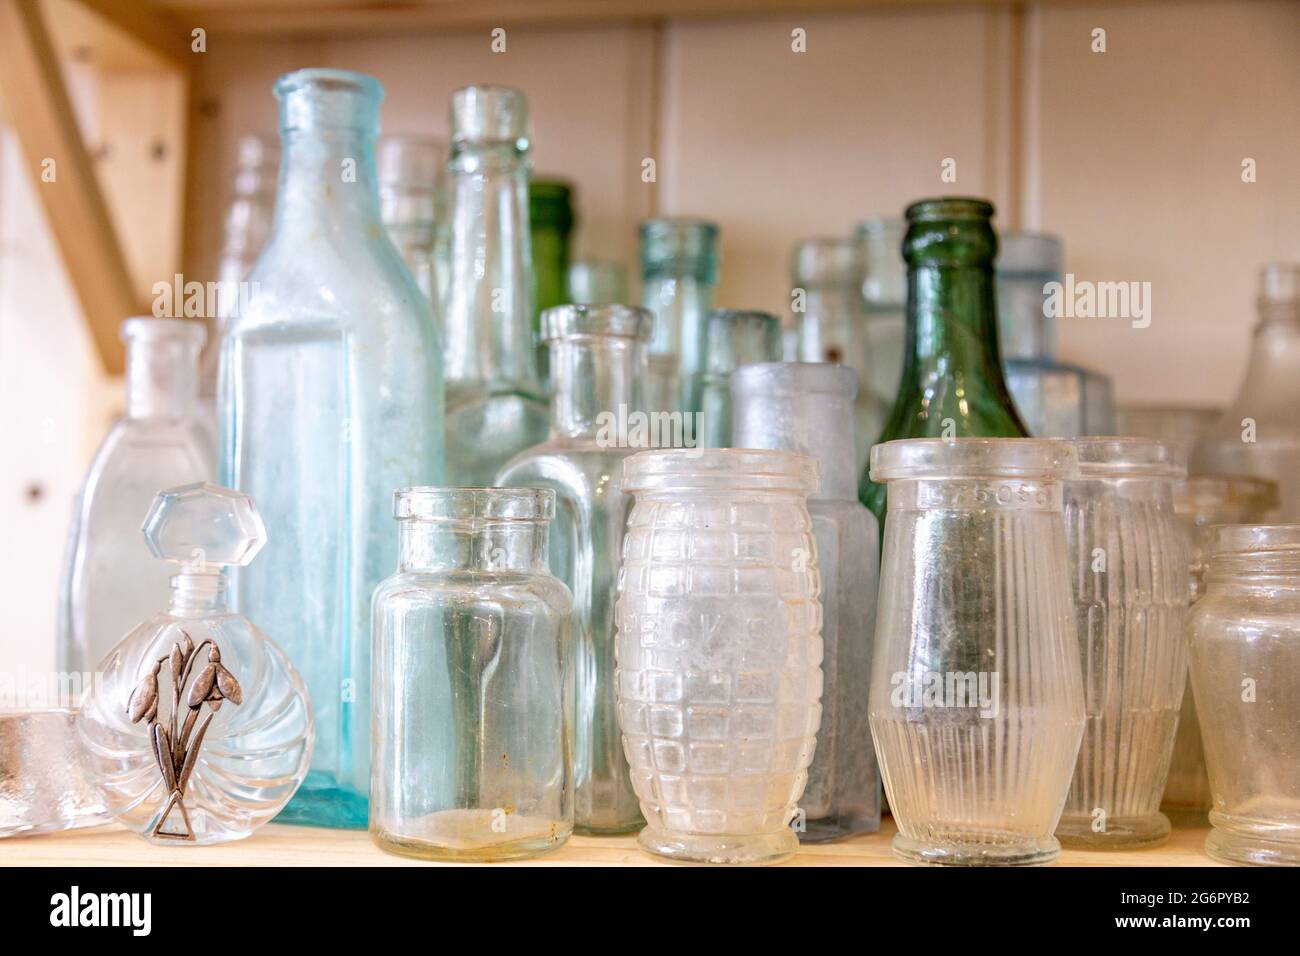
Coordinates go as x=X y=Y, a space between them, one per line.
x=679 y=302
x=818 y=424
x=833 y=329
x=328 y=185
x=162 y=378
x=1273 y=373
x=952 y=329
x=198 y=593
x=488 y=300
x=495 y=546
x=594 y=375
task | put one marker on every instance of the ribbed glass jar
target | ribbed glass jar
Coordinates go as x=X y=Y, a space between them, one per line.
x=1128 y=568
x=976 y=699
x=719 y=649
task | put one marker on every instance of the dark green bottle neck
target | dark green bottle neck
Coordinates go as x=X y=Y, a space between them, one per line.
x=952 y=326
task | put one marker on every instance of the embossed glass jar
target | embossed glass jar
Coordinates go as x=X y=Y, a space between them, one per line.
x=976 y=700
x=1128 y=569
x=719 y=649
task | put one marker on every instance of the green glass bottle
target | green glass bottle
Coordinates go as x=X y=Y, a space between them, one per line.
x=952 y=383
x=550 y=216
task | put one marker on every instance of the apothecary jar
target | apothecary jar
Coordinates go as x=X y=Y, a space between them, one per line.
x=1245 y=667
x=976 y=698
x=472 y=724
x=719 y=649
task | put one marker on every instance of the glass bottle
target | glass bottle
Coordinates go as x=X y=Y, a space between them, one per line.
x=679 y=269
x=719 y=649
x=884 y=293
x=1129 y=572
x=1055 y=399
x=411 y=199
x=201 y=729
x=1245 y=655
x=550 y=217
x=598 y=364
x=109 y=580
x=1202 y=501
x=833 y=325
x=952 y=384
x=597 y=282
x=473 y=682
x=808 y=408
x=733 y=338
x=331 y=397
x=976 y=697
x=1259 y=434
x=495 y=404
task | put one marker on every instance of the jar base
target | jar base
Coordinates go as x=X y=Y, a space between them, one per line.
x=932 y=853
x=835 y=828
x=469 y=836
x=719 y=848
x=1247 y=849
x=1121 y=833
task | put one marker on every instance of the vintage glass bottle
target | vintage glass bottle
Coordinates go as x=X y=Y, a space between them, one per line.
x=719 y=649
x=200 y=729
x=733 y=338
x=331 y=397
x=598 y=365
x=833 y=325
x=495 y=403
x=1245 y=658
x=808 y=408
x=952 y=384
x=679 y=269
x=1055 y=399
x=110 y=582
x=550 y=217
x=1201 y=502
x=597 y=282
x=1259 y=434
x=1129 y=572
x=976 y=692
x=473 y=682
x=884 y=294
x=411 y=200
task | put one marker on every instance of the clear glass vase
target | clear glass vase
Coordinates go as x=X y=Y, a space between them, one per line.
x=473 y=681
x=1129 y=566
x=719 y=649
x=884 y=294
x=808 y=408
x=110 y=582
x=495 y=403
x=331 y=397
x=412 y=200
x=733 y=338
x=1201 y=502
x=976 y=697
x=598 y=364
x=1245 y=655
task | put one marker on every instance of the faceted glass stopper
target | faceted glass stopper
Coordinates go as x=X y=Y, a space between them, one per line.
x=204 y=524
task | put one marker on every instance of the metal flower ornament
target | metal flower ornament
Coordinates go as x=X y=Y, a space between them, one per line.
x=176 y=750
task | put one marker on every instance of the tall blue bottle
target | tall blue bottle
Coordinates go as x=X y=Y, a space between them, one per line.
x=331 y=398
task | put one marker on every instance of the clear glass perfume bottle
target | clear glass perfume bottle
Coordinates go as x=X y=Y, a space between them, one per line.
x=884 y=293
x=1055 y=399
x=833 y=325
x=109 y=580
x=808 y=408
x=598 y=366
x=411 y=200
x=200 y=729
x=331 y=397
x=473 y=680
x=679 y=269
x=733 y=338
x=495 y=404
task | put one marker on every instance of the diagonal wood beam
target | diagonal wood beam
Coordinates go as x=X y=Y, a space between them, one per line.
x=157 y=32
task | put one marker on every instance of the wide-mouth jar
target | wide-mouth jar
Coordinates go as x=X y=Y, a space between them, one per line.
x=720 y=469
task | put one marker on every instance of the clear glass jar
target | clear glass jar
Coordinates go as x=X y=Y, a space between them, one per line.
x=1245 y=658
x=473 y=681
x=412 y=195
x=976 y=696
x=42 y=787
x=884 y=293
x=1201 y=502
x=719 y=649
x=1129 y=571
x=808 y=408
x=734 y=338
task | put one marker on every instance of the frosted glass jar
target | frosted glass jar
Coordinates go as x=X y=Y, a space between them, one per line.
x=1129 y=565
x=976 y=699
x=1245 y=666
x=719 y=649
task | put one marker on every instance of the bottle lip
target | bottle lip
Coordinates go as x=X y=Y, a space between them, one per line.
x=1198 y=495
x=1042 y=459
x=147 y=327
x=615 y=321
x=950 y=209
x=721 y=469
x=1025 y=252
x=550 y=204
x=679 y=247
x=330 y=81
x=828 y=260
x=1122 y=456
x=879 y=227
x=1252 y=539
x=429 y=503
x=812 y=378
x=488 y=113
x=410 y=163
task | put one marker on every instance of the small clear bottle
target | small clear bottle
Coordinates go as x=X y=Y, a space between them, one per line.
x=110 y=582
x=473 y=681
x=412 y=195
x=733 y=337
x=808 y=408
x=884 y=293
x=597 y=282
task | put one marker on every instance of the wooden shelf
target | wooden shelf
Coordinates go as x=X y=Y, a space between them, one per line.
x=280 y=845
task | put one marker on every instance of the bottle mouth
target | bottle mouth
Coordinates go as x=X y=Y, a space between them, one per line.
x=487 y=115
x=1247 y=539
x=616 y=321
x=410 y=163
x=143 y=328
x=721 y=469
x=828 y=262
x=950 y=209
x=1039 y=459
x=550 y=204
x=738 y=337
x=680 y=246
x=1110 y=457
x=1209 y=495
x=1029 y=253
x=796 y=378
x=474 y=504
x=321 y=99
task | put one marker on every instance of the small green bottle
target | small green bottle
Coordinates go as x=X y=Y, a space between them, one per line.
x=550 y=216
x=952 y=383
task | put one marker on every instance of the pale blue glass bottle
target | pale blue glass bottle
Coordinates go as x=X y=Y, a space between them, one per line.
x=495 y=402
x=331 y=397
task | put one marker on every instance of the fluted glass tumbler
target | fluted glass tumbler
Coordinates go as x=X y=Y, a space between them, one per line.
x=719 y=649
x=473 y=696
x=976 y=699
x=1128 y=569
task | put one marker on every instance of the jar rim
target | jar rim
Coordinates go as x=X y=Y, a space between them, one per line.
x=819 y=378
x=153 y=327
x=329 y=80
x=1041 y=458
x=1111 y=456
x=620 y=321
x=1252 y=539
x=721 y=468
x=429 y=503
x=1197 y=494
